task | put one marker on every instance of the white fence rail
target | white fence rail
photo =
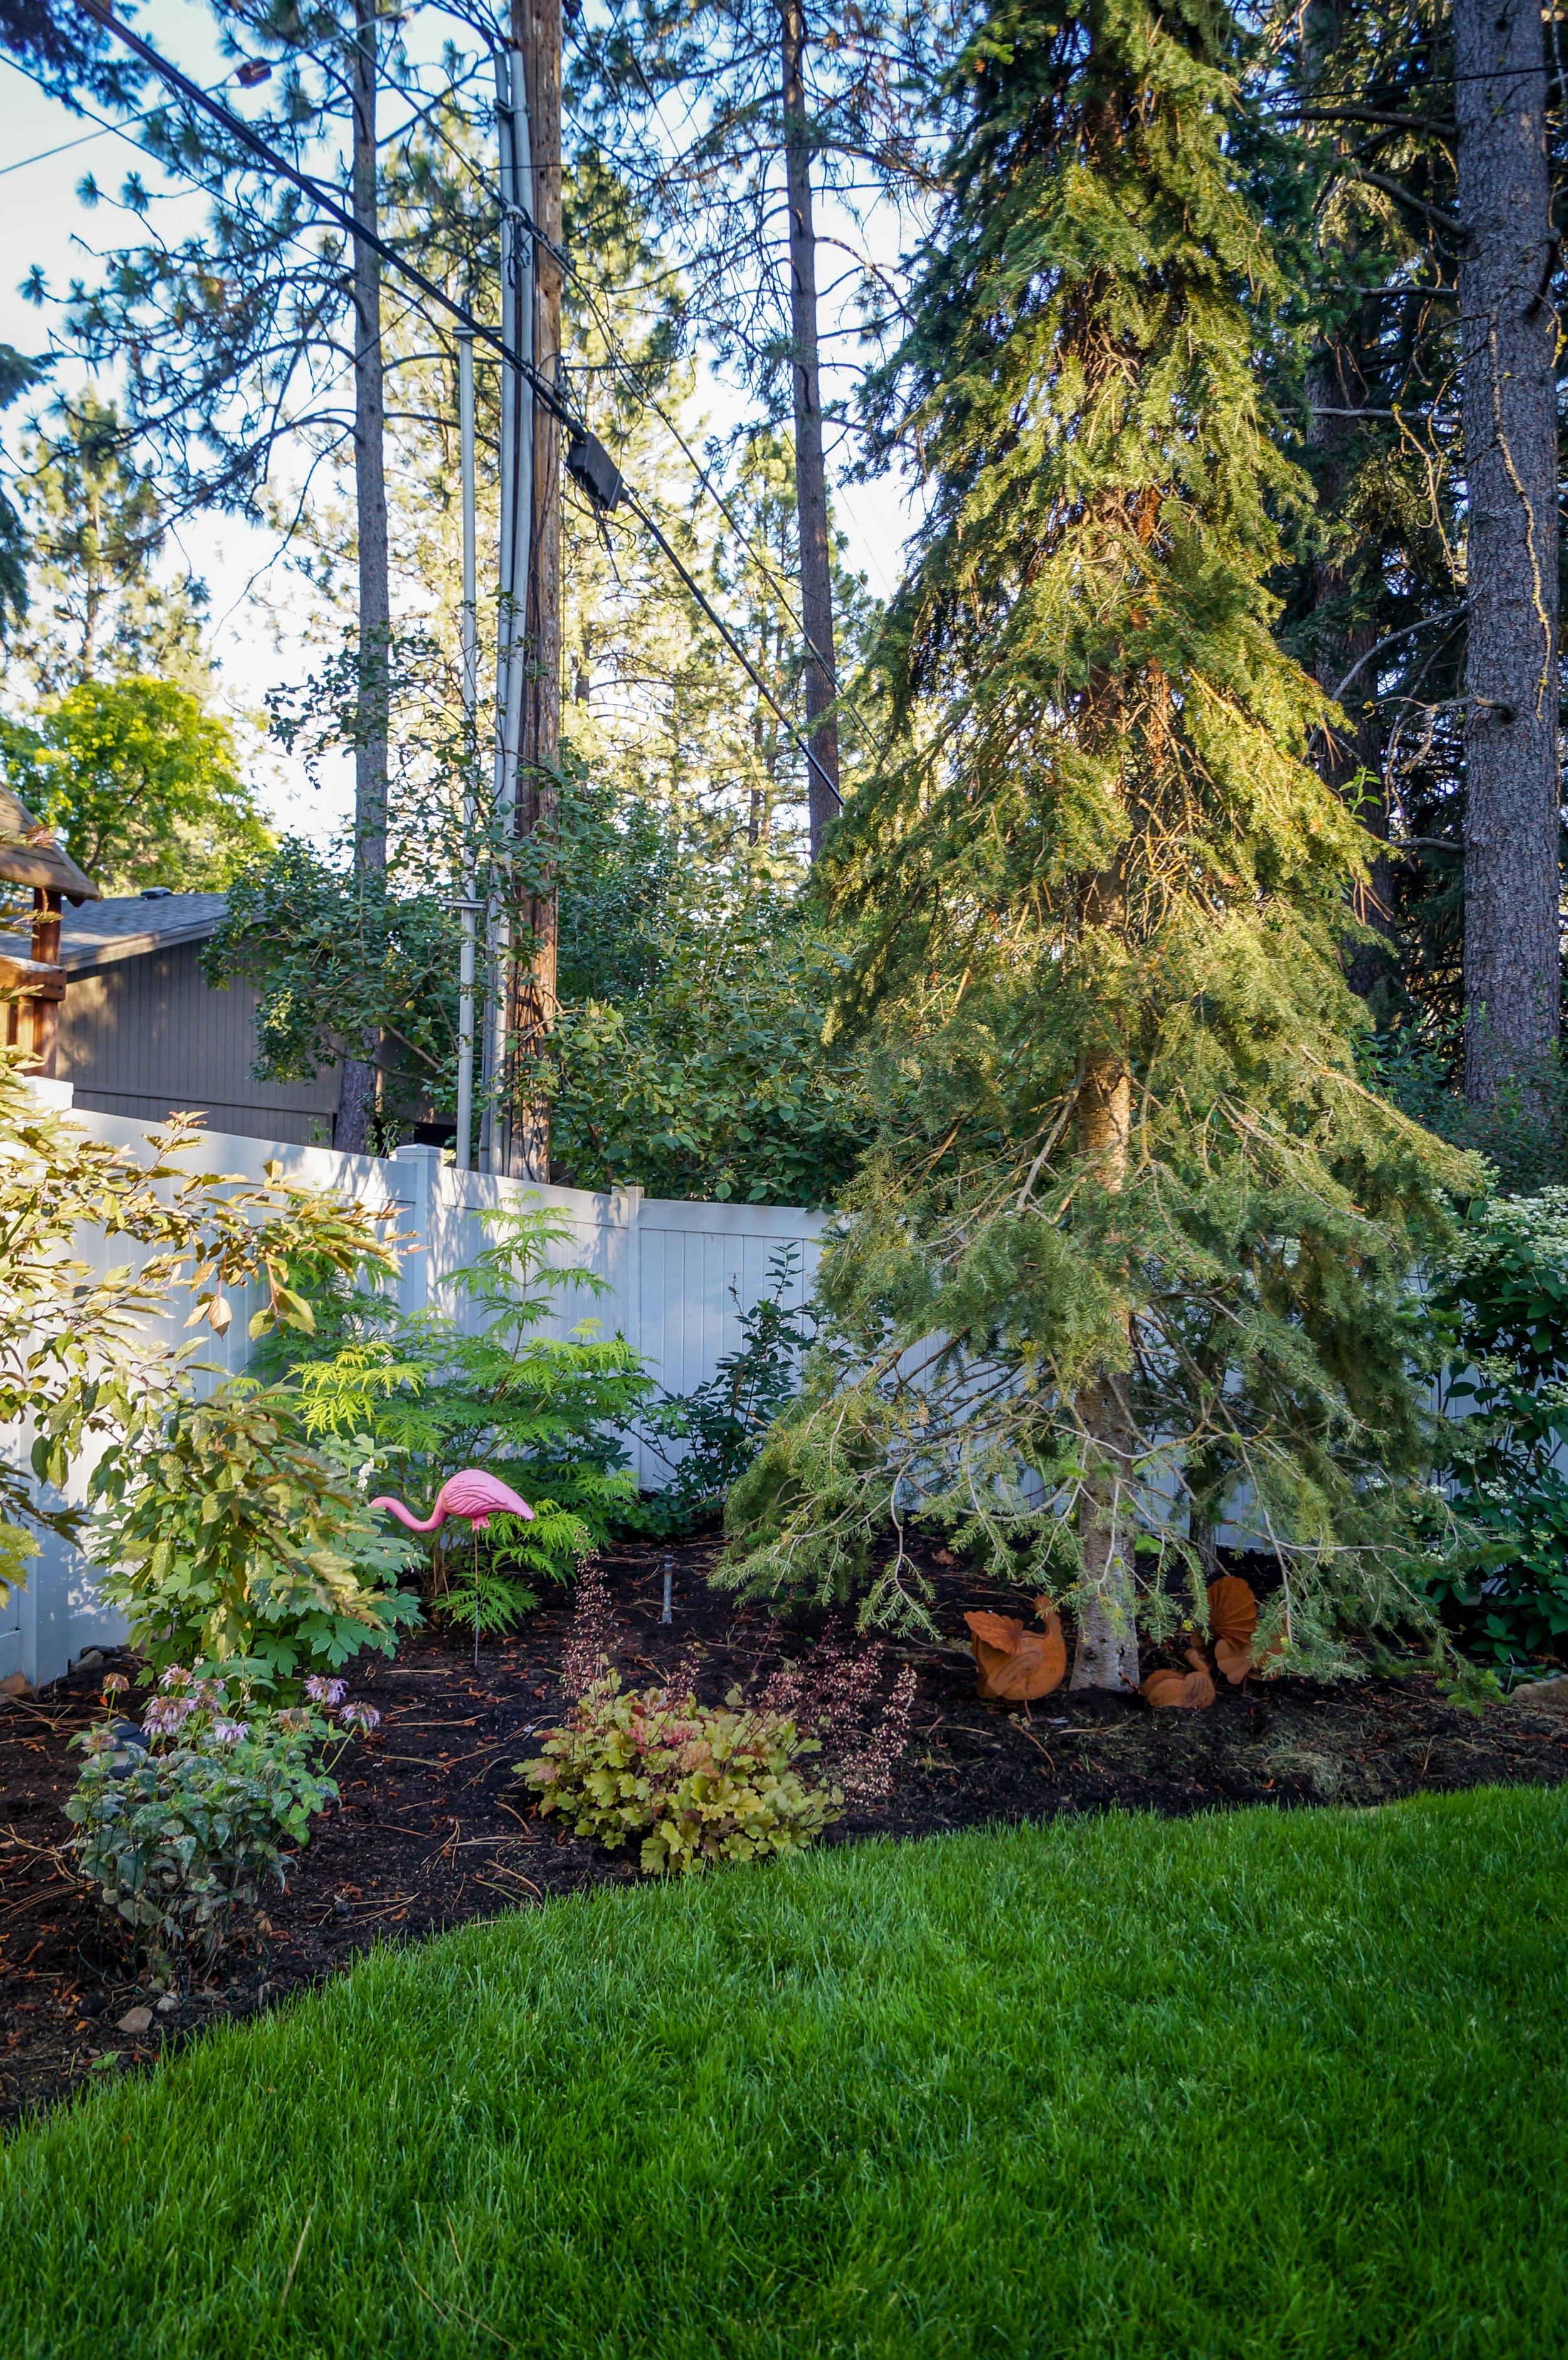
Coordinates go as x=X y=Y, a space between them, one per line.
x=678 y=1276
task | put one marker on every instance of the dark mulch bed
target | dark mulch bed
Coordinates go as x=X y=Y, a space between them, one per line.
x=435 y=1828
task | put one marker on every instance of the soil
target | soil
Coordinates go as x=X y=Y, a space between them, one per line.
x=435 y=1828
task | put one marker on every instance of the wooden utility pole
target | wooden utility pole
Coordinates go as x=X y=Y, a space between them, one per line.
x=1509 y=332
x=532 y=1011
x=810 y=472
x=356 y=1087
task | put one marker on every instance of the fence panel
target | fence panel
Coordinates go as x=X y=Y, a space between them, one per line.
x=676 y=1278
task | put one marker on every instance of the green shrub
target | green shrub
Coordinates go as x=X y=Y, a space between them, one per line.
x=233 y=1543
x=706 y=1785
x=180 y=1830
x=81 y=1363
x=1500 y=1307
x=545 y=1413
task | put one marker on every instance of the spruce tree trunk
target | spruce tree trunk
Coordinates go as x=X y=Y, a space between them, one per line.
x=537 y=32
x=1508 y=333
x=810 y=472
x=358 y=1083
x=1106 y=1653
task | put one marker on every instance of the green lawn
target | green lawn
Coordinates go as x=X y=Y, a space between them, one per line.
x=1243 y=2085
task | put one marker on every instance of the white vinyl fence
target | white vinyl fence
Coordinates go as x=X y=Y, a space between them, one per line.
x=678 y=1275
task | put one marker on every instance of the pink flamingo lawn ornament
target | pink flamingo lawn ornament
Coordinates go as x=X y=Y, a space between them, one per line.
x=476 y=1497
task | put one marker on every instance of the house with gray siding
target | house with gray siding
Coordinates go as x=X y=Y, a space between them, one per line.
x=143 y=1033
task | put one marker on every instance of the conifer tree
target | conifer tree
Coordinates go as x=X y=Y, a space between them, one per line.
x=99 y=610
x=1136 y=1266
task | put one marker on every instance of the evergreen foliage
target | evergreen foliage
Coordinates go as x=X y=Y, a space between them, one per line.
x=99 y=610
x=1136 y=1260
x=18 y=374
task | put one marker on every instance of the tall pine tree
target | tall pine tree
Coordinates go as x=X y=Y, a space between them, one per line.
x=1138 y=1267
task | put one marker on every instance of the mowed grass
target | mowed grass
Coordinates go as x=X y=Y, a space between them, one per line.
x=1250 y=2084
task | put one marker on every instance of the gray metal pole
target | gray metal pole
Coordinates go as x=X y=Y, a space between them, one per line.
x=516 y=544
x=469 y=712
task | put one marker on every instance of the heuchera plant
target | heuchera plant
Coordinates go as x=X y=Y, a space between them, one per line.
x=706 y=1785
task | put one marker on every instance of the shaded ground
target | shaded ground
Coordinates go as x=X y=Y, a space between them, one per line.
x=435 y=1828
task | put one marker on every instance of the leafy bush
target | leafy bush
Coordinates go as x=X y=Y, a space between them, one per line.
x=1501 y=1311
x=79 y=1363
x=725 y=1421
x=233 y=1543
x=693 y=1060
x=545 y=1413
x=182 y=1828
x=706 y=1785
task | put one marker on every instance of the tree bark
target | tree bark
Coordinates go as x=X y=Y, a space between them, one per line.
x=1106 y=1655
x=536 y=33
x=810 y=471
x=357 y=1087
x=1509 y=332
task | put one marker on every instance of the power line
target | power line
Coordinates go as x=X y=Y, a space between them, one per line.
x=121 y=131
x=621 y=362
x=544 y=389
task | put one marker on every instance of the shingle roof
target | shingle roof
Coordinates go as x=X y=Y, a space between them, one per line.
x=131 y=925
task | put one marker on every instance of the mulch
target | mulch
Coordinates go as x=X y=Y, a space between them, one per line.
x=434 y=1827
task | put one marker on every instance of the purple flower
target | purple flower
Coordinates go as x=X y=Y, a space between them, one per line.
x=295 y=1716
x=98 y=1741
x=165 y=1715
x=229 y=1732
x=323 y=1691
x=116 y=1684
x=176 y=1677
x=359 y=1716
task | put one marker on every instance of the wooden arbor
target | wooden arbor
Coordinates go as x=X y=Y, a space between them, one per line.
x=33 y=987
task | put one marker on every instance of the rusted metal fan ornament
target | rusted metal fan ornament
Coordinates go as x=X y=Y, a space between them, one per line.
x=1193 y=1689
x=1232 y=1627
x=1014 y=1665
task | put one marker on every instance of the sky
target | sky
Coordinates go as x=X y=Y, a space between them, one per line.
x=259 y=615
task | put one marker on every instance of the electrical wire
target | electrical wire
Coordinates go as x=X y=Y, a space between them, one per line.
x=122 y=130
x=620 y=360
x=545 y=391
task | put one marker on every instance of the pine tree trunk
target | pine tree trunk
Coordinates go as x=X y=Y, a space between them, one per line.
x=810 y=472
x=537 y=32
x=1509 y=332
x=357 y=1083
x=1106 y=1653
